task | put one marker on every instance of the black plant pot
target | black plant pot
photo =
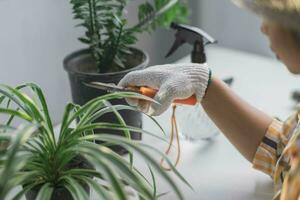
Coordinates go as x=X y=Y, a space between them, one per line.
x=81 y=68
x=60 y=192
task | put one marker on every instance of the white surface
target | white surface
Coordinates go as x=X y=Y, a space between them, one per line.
x=215 y=169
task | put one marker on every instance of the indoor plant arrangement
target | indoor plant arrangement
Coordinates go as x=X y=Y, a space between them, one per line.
x=67 y=164
x=110 y=54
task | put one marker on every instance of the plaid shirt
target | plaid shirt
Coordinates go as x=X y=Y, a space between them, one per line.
x=269 y=157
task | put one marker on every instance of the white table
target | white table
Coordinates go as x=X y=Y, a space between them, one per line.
x=215 y=169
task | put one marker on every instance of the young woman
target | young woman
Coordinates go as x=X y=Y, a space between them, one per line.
x=260 y=138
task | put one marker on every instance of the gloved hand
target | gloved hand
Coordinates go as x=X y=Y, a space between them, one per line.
x=173 y=81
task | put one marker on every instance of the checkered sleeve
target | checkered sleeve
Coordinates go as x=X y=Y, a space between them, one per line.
x=272 y=145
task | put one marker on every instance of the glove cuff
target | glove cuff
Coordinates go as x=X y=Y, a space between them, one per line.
x=200 y=76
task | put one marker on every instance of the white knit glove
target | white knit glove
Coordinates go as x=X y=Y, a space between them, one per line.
x=173 y=81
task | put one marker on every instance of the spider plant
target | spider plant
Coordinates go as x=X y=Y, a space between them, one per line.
x=11 y=160
x=107 y=32
x=51 y=159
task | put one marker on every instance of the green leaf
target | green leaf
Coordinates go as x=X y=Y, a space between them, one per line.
x=154 y=182
x=111 y=126
x=45 y=192
x=13 y=163
x=123 y=123
x=111 y=176
x=76 y=188
x=84 y=40
x=12 y=112
x=29 y=106
x=85 y=172
x=101 y=191
x=98 y=100
x=170 y=164
x=66 y=121
x=23 y=100
x=162 y=194
x=38 y=91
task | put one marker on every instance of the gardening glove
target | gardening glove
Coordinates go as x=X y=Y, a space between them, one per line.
x=173 y=81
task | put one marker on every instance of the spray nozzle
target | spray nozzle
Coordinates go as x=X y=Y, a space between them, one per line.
x=191 y=35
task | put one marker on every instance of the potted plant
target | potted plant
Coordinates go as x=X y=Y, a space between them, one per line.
x=67 y=163
x=110 y=53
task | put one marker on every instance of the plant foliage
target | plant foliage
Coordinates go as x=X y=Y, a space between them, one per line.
x=107 y=32
x=49 y=160
x=12 y=159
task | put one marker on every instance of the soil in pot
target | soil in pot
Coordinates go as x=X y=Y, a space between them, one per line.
x=81 y=68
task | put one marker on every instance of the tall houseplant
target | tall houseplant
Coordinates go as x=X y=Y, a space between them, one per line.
x=110 y=53
x=67 y=164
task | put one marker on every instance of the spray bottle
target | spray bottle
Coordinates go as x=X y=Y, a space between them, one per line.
x=196 y=125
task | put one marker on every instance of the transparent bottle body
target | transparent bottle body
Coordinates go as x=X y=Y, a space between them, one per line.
x=194 y=123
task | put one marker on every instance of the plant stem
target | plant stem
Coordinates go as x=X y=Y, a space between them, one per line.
x=116 y=45
x=91 y=13
x=94 y=34
x=95 y=21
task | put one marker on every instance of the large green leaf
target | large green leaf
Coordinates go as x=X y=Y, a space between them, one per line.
x=13 y=112
x=44 y=108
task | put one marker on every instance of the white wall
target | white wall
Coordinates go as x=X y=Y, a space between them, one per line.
x=232 y=26
x=35 y=36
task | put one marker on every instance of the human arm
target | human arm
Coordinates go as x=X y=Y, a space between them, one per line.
x=243 y=124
